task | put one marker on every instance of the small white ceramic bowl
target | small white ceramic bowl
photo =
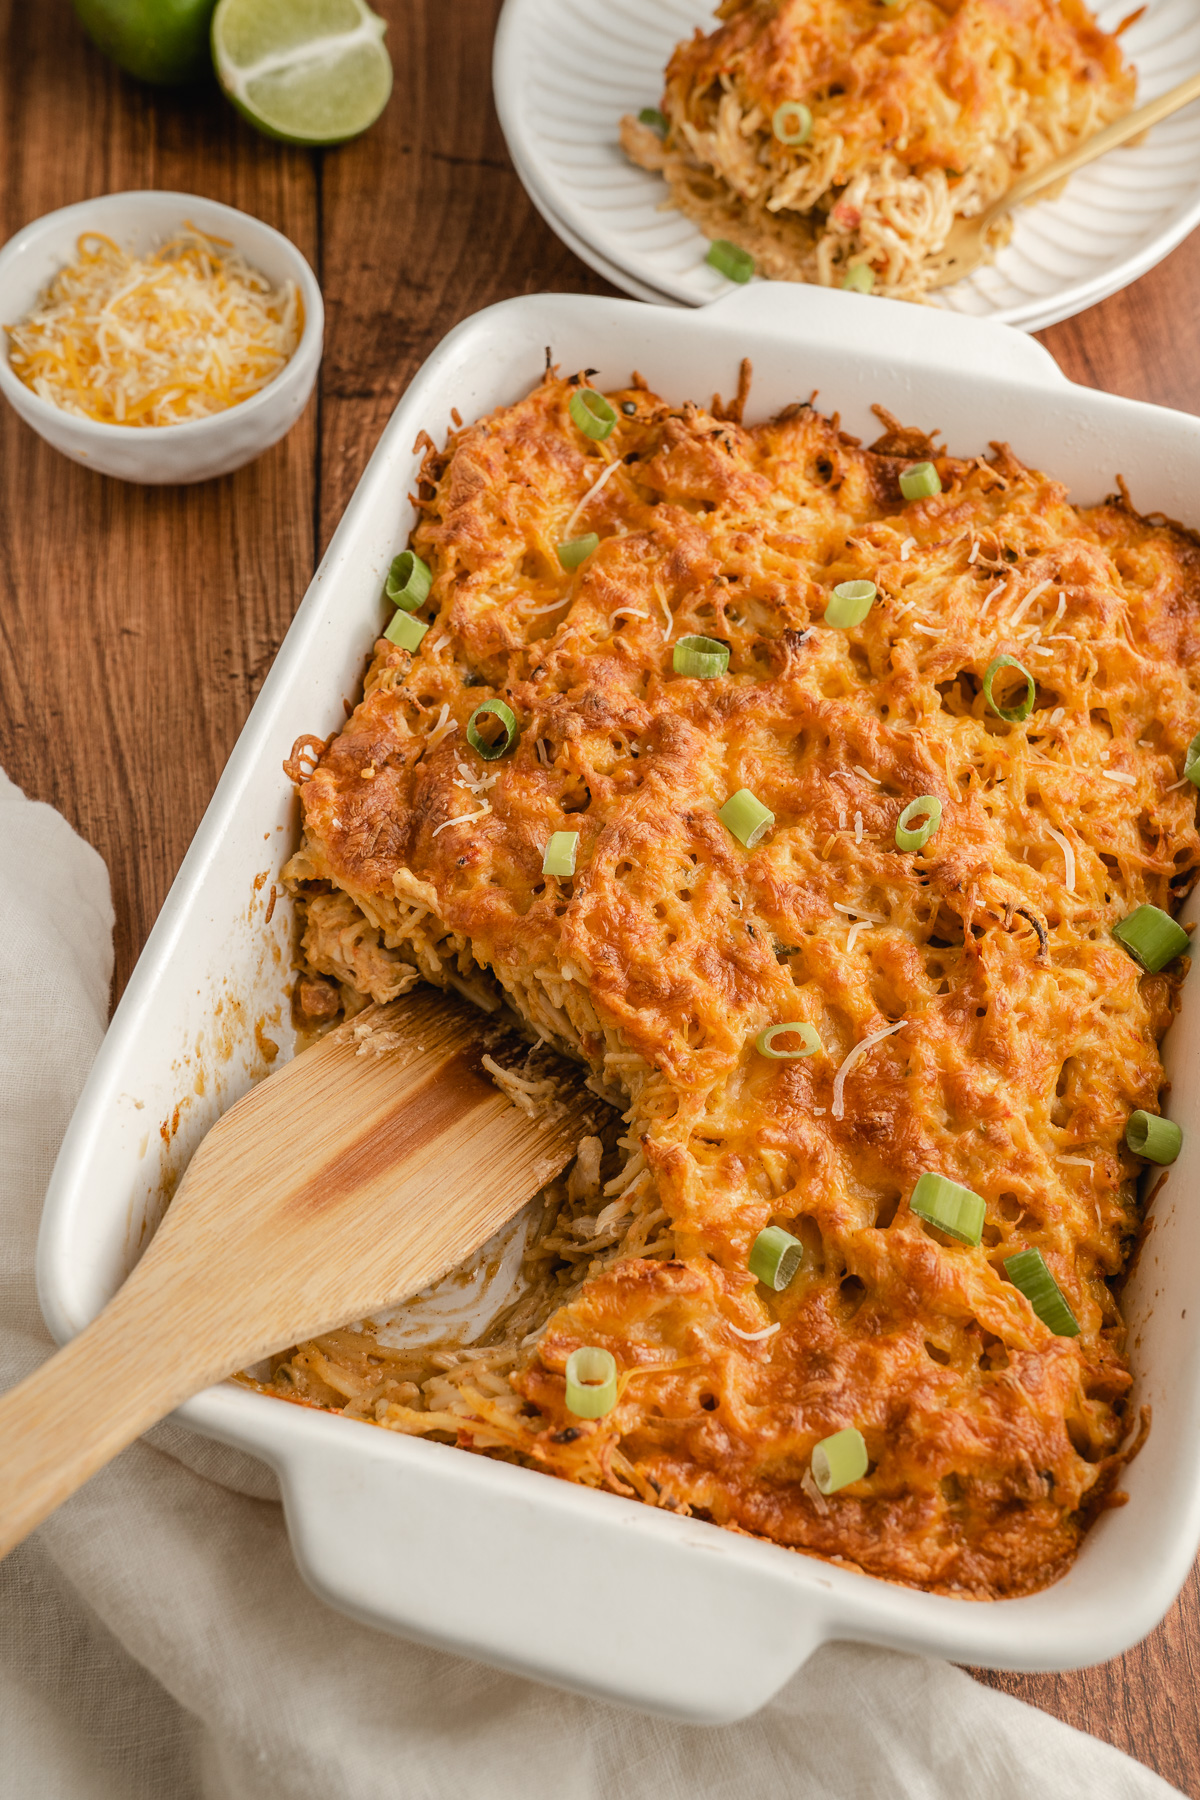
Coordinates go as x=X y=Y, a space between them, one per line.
x=200 y=448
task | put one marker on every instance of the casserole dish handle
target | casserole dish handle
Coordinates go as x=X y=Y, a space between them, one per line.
x=481 y=1560
x=910 y=335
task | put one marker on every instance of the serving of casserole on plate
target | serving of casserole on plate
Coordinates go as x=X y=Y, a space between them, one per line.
x=664 y=851
x=838 y=143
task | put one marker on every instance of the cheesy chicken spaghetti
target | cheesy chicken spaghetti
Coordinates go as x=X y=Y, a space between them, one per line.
x=823 y=1011
x=836 y=141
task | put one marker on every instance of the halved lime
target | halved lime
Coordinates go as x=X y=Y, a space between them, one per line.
x=157 y=40
x=306 y=71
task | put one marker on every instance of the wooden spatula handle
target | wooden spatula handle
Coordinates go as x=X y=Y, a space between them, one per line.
x=359 y=1172
x=91 y=1399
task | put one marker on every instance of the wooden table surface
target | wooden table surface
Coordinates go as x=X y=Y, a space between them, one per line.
x=136 y=624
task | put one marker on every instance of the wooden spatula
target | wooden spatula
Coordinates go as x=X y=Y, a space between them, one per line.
x=363 y=1170
x=967 y=245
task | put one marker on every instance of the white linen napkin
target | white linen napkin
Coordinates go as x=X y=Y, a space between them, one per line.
x=156 y=1642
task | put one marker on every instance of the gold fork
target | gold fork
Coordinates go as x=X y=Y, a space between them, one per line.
x=967 y=245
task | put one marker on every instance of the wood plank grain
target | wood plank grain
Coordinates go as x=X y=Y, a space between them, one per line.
x=423 y=222
x=137 y=622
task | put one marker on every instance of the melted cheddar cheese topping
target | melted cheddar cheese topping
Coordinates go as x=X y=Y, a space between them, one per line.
x=1023 y=1034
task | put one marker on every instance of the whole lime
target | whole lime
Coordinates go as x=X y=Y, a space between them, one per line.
x=164 y=41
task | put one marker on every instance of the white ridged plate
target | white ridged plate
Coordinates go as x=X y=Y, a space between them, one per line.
x=566 y=70
x=586 y=252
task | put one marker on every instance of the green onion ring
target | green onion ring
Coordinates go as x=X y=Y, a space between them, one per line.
x=839 y=1460
x=657 y=121
x=702 y=657
x=1158 y=1140
x=406 y=631
x=850 y=603
x=800 y=132
x=591 y=1382
x=577 y=550
x=409 y=581
x=592 y=413
x=1027 y=1271
x=746 y=817
x=1191 y=762
x=859 y=279
x=919 y=481
x=735 y=263
x=561 y=849
x=506 y=716
x=775 y=1255
x=958 y=1211
x=1014 y=714
x=1152 y=936
x=765 y=1040
x=910 y=838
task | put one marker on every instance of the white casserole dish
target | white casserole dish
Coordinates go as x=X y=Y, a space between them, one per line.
x=474 y=1556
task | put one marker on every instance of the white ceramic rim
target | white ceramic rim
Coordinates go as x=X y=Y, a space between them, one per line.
x=587 y=253
x=84 y=213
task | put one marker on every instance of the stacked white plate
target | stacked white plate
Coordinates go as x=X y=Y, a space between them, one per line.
x=566 y=70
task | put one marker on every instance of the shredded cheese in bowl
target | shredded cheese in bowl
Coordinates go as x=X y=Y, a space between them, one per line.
x=180 y=334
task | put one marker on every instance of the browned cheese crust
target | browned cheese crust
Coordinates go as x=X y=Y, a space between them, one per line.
x=921 y=111
x=1027 y=1033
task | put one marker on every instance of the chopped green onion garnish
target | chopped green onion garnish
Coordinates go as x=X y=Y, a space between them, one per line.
x=849 y=603
x=747 y=818
x=409 y=581
x=910 y=837
x=859 y=279
x=792 y=123
x=1191 y=762
x=775 y=1255
x=577 y=550
x=958 y=1211
x=592 y=413
x=1014 y=714
x=406 y=631
x=591 y=1382
x=1152 y=936
x=735 y=263
x=560 y=853
x=839 y=1460
x=1158 y=1140
x=764 y=1043
x=1027 y=1270
x=920 y=480
x=700 y=656
x=657 y=121
x=498 y=747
